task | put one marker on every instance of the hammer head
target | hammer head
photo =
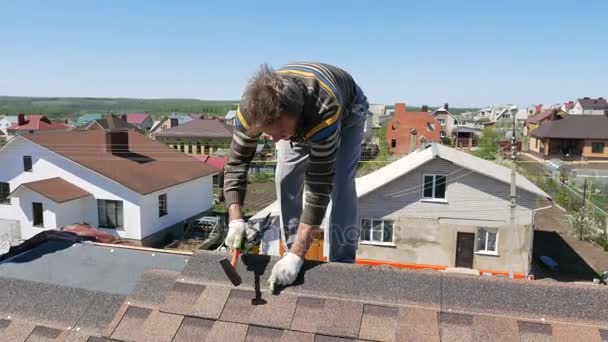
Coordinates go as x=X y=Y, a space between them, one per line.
x=231 y=272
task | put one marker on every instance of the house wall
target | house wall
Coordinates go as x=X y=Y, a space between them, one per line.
x=578 y=109
x=23 y=212
x=47 y=164
x=425 y=232
x=184 y=201
x=534 y=144
x=208 y=145
x=75 y=211
x=587 y=149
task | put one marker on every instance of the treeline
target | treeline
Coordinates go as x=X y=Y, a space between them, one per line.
x=67 y=107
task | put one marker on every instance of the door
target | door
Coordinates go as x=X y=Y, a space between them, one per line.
x=464 y=249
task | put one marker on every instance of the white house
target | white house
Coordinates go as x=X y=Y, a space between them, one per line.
x=589 y=106
x=440 y=206
x=5 y=123
x=446 y=119
x=118 y=181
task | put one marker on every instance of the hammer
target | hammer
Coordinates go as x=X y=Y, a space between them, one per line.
x=230 y=268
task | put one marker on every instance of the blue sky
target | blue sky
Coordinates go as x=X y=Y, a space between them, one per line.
x=467 y=53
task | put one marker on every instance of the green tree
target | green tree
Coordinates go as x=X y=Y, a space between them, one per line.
x=584 y=224
x=488 y=144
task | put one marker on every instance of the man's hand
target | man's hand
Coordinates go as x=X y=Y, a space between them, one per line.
x=236 y=234
x=285 y=271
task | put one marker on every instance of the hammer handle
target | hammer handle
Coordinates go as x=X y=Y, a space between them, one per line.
x=235 y=256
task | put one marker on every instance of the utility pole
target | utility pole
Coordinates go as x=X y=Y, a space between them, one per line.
x=580 y=230
x=513 y=169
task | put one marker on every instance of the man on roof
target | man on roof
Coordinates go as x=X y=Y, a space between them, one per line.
x=315 y=113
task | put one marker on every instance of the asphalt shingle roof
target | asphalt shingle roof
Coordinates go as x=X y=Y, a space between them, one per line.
x=56 y=189
x=574 y=127
x=330 y=302
x=599 y=103
x=200 y=128
x=148 y=165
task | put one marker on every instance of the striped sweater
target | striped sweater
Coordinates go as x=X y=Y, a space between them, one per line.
x=330 y=94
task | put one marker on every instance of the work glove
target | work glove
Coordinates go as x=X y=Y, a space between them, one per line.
x=285 y=271
x=239 y=234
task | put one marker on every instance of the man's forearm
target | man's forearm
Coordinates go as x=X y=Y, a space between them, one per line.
x=304 y=238
x=235 y=212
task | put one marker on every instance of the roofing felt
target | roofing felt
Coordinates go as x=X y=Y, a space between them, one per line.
x=199 y=128
x=574 y=127
x=599 y=103
x=56 y=189
x=37 y=123
x=65 y=263
x=148 y=166
x=329 y=302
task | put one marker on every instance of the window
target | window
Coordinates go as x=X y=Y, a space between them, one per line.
x=182 y=147
x=110 y=213
x=190 y=148
x=5 y=190
x=597 y=147
x=441 y=121
x=379 y=231
x=434 y=186
x=536 y=143
x=162 y=205
x=27 y=163
x=198 y=148
x=37 y=214
x=394 y=143
x=486 y=240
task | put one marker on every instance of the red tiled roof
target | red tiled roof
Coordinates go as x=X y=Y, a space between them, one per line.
x=56 y=189
x=136 y=118
x=148 y=166
x=37 y=123
x=216 y=161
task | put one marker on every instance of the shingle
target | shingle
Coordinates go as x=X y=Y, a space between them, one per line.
x=211 y=302
x=100 y=314
x=568 y=332
x=263 y=334
x=109 y=330
x=325 y=338
x=379 y=323
x=160 y=327
x=327 y=316
x=380 y=284
x=152 y=288
x=182 y=297
x=277 y=312
x=4 y=323
x=297 y=336
x=534 y=332
x=418 y=324
x=43 y=334
x=17 y=331
x=74 y=336
x=131 y=323
x=101 y=339
x=456 y=327
x=226 y=331
x=604 y=335
x=193 y=329
x=488 y=328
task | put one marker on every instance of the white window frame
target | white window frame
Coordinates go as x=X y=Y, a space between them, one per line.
x=433 y=198
x=486 y=251
x=382 y=231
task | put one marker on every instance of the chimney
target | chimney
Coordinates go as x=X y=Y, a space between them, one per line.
x=446 y=106
x=124 y=117
x=399 y=108
x=425 y=108
x=173 y=122
x=413 y=140
x=21 y=119
x=586 y=98
x=117 y=141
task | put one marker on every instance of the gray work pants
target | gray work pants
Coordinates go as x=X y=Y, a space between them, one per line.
x=292 y=160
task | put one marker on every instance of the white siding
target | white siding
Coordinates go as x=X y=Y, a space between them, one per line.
x=23 y=212
x=183 y=201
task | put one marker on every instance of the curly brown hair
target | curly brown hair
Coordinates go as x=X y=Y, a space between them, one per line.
x=270 y=95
